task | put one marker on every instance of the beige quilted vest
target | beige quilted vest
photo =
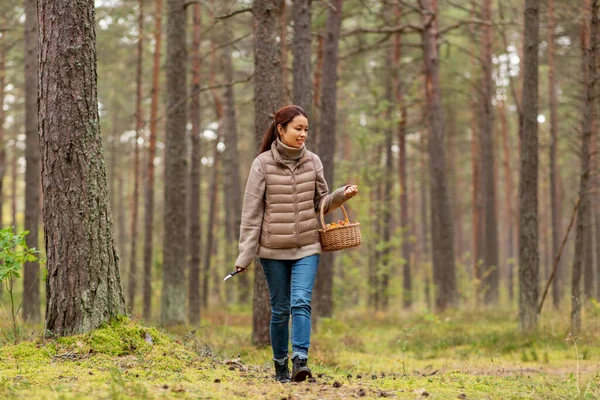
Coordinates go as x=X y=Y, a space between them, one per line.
x=289 y=220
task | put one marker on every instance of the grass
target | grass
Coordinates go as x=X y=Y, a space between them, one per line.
x=361 y=355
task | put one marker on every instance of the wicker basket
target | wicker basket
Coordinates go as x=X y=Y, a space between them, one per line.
x=339 y=237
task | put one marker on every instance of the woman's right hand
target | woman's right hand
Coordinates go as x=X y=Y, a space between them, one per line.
x=241 y=270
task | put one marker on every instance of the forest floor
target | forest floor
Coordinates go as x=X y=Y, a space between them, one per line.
x=464 y=355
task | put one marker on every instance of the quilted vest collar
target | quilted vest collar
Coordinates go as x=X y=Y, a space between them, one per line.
x=278 y=158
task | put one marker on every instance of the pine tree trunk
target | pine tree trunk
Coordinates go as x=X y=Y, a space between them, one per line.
x=173 y=273
x=425 y=235
x=589 y=42
x=509 y=203
x=559 y=278
x=83 y=284
x=528 y=183
x=31 y=285
x=122 y=220
x=402 y=166
x=194 y=233
x=267 y=84
x=312 y=140
x=444 y=274
x=490 y=271
x=387 y=196
x=3 y=164
x=139 y=125
x=13 y=188
x=301 y=47
x=149 y=178
x=210 y=222
x=327 y=144
x=233 y=190
x=283 y=46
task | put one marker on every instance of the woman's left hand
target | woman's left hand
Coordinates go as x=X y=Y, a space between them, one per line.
x=351 y=191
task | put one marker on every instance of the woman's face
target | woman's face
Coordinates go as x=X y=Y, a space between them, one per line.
x=295 y=132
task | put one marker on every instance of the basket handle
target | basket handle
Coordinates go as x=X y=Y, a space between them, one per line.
x=322 y=215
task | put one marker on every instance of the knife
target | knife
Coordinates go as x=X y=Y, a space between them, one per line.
x=231 y=274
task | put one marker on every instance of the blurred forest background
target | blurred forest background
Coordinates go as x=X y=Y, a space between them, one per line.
x=419 y=103
x=127 y=129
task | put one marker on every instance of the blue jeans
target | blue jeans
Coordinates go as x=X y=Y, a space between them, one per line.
x=290 y=285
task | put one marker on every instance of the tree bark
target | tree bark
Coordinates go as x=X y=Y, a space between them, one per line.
x=528 y=184
x=301 y=50
x=210 y=222
x=194 y=232
x=327 y=145
x=149 y=181
x=173 y=273
x=402 y=167
x=232 y=185
x=283 y=46
x=31 y=286
x=312 y=140
x=139 y=125
x=3 y=163
x=83 y=284
x=13 y=188
x=509 y=202
x=589 y=42
x=387 y=193
x=444 y=274
x=559 y=278
x=267 y=81
x=490 y=271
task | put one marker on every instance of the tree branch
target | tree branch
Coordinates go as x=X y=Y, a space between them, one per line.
x=384 y=30
x=235 y=12
x=204 y=89
x=473 y=22
x=226 y=44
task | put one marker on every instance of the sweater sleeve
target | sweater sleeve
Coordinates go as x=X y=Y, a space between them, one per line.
x=332 y=201
x=252 y=215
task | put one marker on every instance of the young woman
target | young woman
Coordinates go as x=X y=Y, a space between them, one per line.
x=283 y=195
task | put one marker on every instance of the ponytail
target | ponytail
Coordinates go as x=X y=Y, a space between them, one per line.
x=269 y=137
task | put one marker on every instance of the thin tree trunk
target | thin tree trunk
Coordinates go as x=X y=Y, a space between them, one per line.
x=139 y=125
x=426 y=236
x=559 y=279
x=301 y=63
x=31 y=286
x=312 y=141
x=490 y=231
x=323 y=295
x=210 y=222
x=528 y=183
x=508 y=199
x=173 y=273
x=3 y=164
x=233 y=190
x=83 y=287
x=13 y=188
x=122 y=217
x=267 y=81
x=149 y=181
x=387 y=196
x=402 y=166
x=444 y=274
x=589 y=42
x=194 y=234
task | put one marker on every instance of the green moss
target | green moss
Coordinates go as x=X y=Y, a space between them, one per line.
x=371 y=359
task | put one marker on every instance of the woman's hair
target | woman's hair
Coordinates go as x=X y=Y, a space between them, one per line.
x=283 y=116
